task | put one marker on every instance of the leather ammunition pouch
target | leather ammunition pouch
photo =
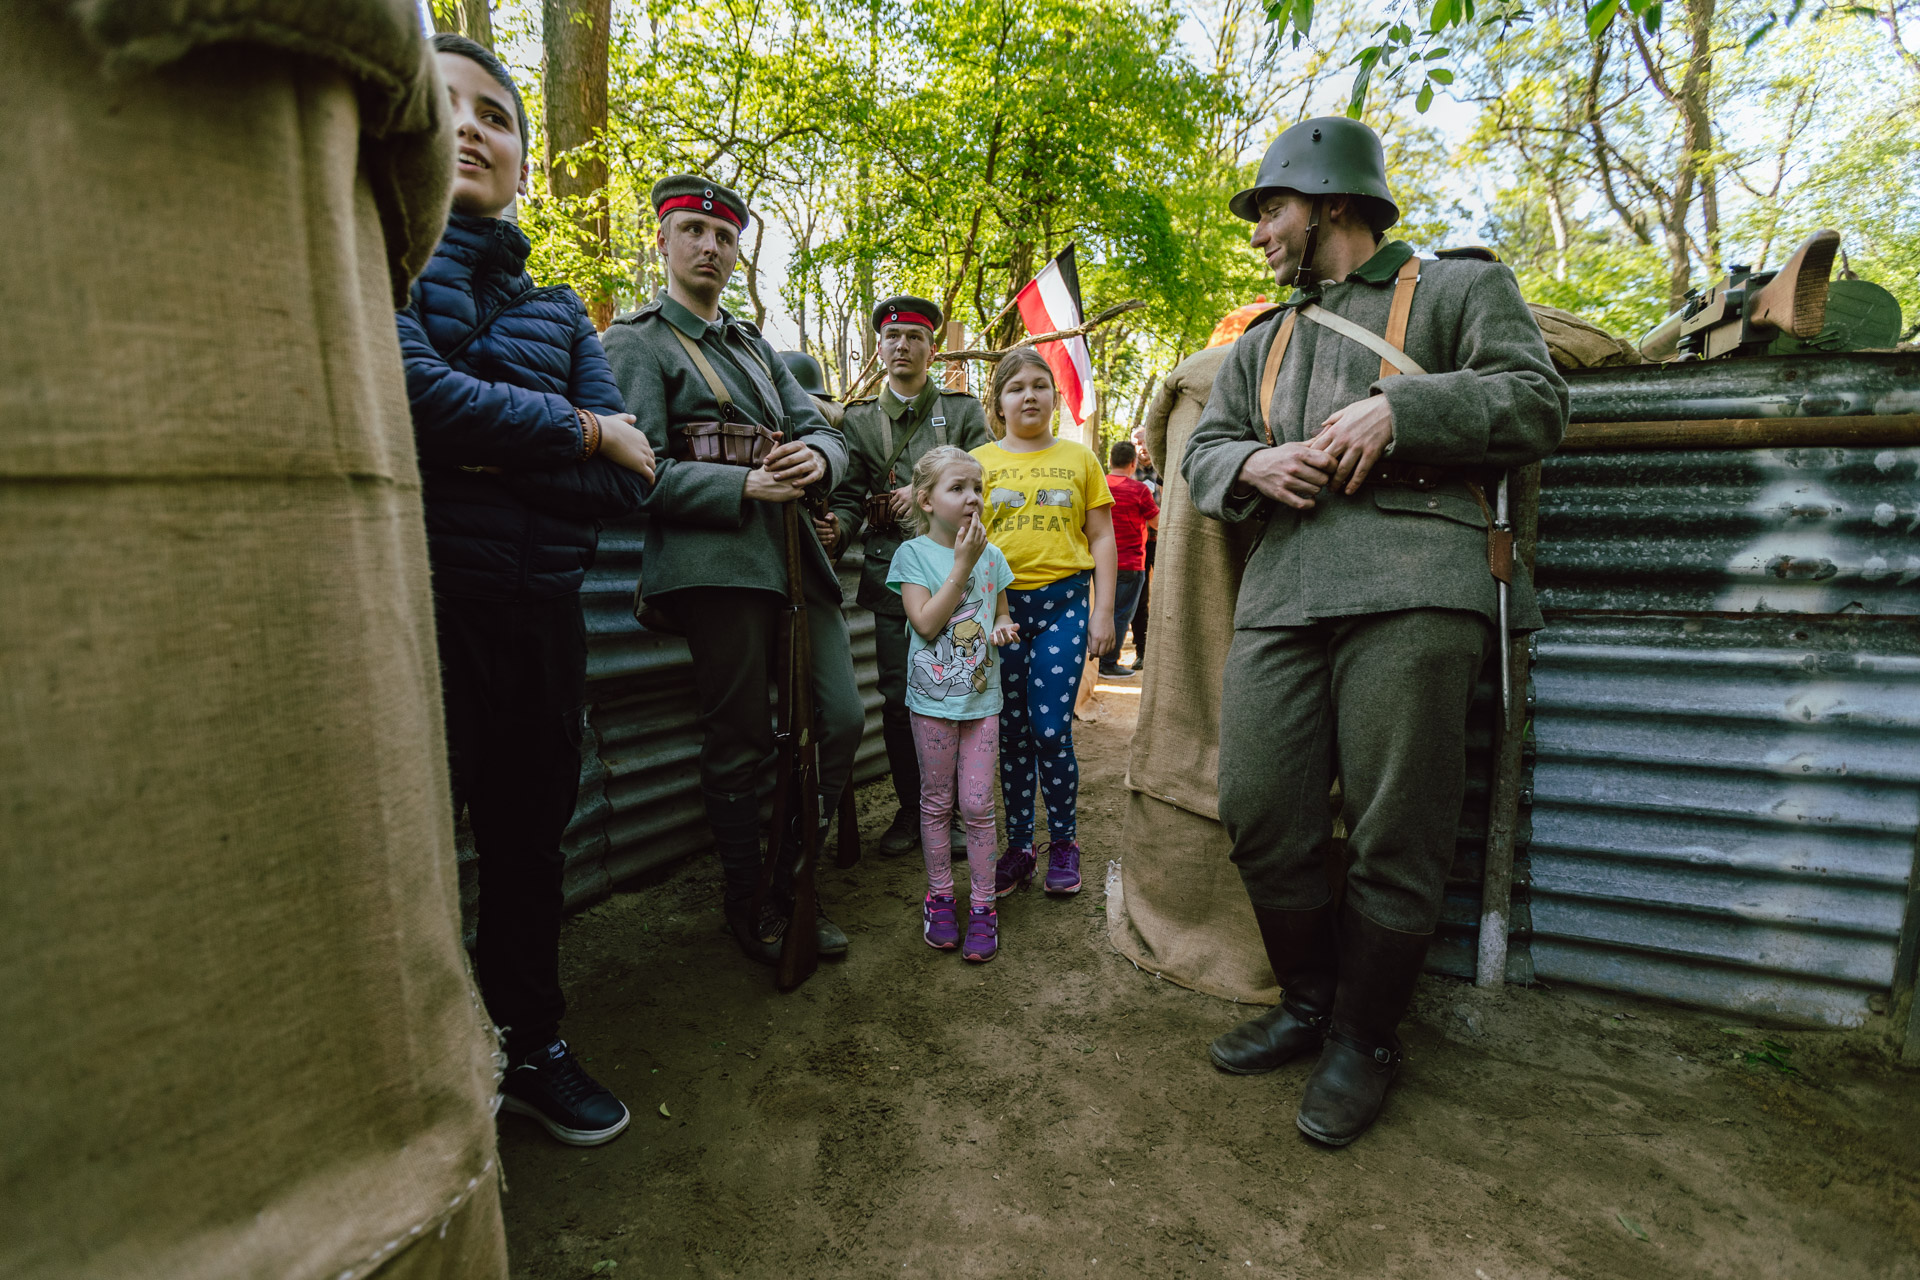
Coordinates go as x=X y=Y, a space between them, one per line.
x=879 y=514
x=733 y=444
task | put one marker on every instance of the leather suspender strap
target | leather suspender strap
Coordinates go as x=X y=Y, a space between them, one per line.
x=900 y=448
x=1270 y=374
x=1402 y=309
x=705 y=367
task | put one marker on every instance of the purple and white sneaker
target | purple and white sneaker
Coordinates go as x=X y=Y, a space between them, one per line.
x=983 y=935
x=940 y=922
x=1014 y=870
x=1063 y=867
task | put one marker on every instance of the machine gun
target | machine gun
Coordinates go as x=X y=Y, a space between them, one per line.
x=1746 y=310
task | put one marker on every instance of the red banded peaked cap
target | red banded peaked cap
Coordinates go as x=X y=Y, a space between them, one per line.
x=701 y=195
x=904 y=308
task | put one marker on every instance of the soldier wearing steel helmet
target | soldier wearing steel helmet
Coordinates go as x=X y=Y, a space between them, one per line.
x=885 y=437
x=715 y=564
x=1367 y=607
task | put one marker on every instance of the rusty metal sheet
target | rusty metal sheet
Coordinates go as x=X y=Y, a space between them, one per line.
x=1726 y=713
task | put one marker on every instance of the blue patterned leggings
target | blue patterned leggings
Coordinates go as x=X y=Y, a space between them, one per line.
x=1039 y=679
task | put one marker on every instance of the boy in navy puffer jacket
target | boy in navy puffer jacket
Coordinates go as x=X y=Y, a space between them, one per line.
x=524 y=448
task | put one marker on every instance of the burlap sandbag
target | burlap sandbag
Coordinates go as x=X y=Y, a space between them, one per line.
x=240 y=1038
x=1580 y=344
x=1182 y=912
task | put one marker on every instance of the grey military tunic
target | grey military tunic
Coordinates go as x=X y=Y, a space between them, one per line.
x=873 y=430
x=703 y=530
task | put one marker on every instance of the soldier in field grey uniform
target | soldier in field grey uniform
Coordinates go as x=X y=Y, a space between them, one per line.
x=1367 y=606
x=885 y=437
x=715 y=562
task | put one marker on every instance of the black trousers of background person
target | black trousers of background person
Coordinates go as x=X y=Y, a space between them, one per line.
x=1140 y=610
x=513 y=677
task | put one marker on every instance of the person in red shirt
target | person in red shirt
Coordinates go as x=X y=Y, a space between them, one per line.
x=1134 y=512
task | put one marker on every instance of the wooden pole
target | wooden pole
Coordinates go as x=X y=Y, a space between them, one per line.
x=1859 y=431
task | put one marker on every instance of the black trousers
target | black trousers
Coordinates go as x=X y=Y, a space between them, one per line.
x=1140 y=610
x=903 y=758
x=513 y=677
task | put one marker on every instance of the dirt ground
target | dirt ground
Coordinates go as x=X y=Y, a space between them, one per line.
x=1053 y=1113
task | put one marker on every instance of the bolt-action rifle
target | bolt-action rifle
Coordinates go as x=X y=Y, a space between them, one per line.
x=795 y=837
x=1746 y=309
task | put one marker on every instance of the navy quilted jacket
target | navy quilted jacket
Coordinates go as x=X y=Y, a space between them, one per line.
x=507 y=401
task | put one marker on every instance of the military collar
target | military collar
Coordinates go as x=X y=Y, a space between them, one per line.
x=682 y=317
x=1381 y=268
x=893 y=406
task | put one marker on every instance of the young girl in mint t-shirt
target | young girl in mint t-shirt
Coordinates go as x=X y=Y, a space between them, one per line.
x=953 y=583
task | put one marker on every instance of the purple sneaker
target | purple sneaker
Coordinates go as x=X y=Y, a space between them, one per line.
x=940 y=923
x=1063 y=867
x=1014 y=870
x=983 y=935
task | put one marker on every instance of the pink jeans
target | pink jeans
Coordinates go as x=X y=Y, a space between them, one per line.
x=968 y=750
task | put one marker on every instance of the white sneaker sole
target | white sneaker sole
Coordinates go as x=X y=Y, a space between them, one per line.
x=572 y=1137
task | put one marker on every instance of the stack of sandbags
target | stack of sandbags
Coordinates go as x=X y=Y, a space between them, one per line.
x=240 y=1037
x=1182 y=912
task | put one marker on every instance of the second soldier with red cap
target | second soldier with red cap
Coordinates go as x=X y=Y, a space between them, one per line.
x=885 y=437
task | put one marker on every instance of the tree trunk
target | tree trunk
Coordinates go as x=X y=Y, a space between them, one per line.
x=1694 y=167
x=576 y=34
x=1557 y=215
x=470 y=18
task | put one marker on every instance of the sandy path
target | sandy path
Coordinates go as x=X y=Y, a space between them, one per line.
x=1053 y=1114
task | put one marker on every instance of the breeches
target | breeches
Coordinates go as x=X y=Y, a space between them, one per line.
x=1379 y=700
x=731 y=632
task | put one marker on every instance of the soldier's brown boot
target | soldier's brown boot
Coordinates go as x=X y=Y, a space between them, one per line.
x=1300 y=947
x=1378 y=969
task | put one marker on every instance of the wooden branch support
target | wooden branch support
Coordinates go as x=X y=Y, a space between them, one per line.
x=1503 y=805
x=1058 y=335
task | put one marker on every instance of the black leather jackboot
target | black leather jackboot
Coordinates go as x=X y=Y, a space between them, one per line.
x=1378 y=969
x=1300 y=947
x=735 y=821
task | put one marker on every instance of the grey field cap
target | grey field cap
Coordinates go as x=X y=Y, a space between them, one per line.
x=1324 y=156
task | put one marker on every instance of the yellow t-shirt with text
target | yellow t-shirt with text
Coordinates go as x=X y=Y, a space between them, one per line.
x=1037 y=506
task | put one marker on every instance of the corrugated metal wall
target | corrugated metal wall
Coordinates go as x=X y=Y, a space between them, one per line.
x=1727 y=722
x=639 y=806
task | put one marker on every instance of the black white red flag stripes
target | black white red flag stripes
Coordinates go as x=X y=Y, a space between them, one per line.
x=1049 y=303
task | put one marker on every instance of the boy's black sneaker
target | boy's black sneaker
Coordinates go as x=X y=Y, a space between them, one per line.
x=552 y=1087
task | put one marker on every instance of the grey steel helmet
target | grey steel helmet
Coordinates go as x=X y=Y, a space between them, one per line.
x=806 y=371
x=1324 y=156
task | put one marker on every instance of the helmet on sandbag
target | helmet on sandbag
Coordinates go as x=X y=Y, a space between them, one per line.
x=1324 y=156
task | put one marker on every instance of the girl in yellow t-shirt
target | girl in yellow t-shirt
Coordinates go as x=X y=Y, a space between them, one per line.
x=1047 y=503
